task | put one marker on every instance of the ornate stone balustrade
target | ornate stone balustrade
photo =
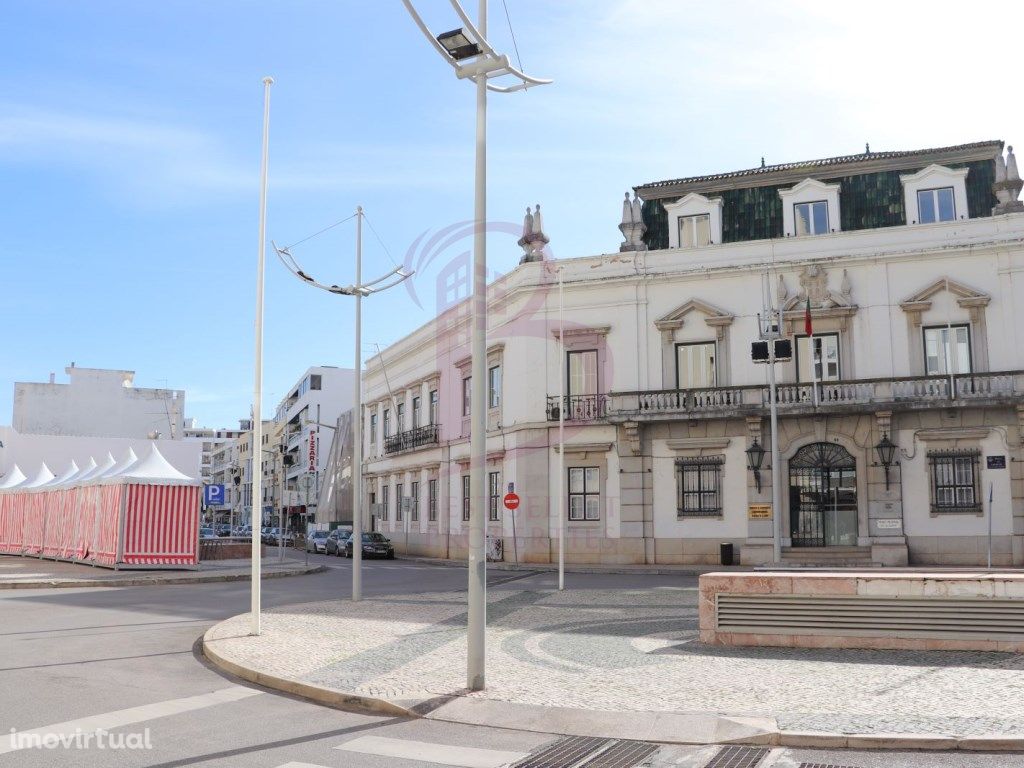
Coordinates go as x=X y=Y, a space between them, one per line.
x=900 y=393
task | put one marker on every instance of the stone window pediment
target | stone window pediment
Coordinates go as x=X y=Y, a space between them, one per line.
x=966 y=297
x=717 y=320
x=934 y=177
x=713 y=316
x=809 y=191
x=694 y=204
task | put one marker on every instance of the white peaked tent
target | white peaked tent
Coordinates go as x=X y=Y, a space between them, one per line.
x=43 y=476
x=89 y=467
x=98 y=471
x=126 y=463
x=153 y=467
x=13 y=478
x=68 y=475
x=150 y=516
x=127 y=514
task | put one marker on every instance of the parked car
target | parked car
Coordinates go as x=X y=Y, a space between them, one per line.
x=336 y=541
x=270 y=536
x=374 y=545
x=316 y=542
x=207 y=533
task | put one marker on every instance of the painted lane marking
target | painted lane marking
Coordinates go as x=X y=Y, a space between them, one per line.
x=110 y=720
x=445 y=754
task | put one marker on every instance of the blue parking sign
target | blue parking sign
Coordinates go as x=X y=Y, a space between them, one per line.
x=213 y=495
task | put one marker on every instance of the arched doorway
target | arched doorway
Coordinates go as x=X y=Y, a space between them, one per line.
x=823 y=496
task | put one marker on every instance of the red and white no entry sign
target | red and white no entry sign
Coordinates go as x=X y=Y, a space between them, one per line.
x=511 y=501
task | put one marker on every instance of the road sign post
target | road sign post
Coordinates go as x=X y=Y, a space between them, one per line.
x=213 y=495
x=511 y=502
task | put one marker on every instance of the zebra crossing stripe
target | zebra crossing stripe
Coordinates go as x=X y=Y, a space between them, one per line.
x=425 y=751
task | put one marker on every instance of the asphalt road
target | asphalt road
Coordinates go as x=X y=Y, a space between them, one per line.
x=126 y=659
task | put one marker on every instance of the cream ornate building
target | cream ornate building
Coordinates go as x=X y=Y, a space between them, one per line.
x=912 y=264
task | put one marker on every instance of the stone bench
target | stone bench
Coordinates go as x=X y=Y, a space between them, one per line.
x=851 y=609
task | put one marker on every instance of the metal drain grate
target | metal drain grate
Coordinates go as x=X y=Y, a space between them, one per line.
x=563 y=753
x=738 y=757
x=622 y=754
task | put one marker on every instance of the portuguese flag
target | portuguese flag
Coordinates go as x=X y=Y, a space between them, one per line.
x=807 y=318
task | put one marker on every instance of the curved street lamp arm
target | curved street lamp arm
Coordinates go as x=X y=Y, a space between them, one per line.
x=426 y=33
x=349 y=290
x=473 y=31
x=488 y=65
x=395 y=271
x=296 y=270
x=528 y=79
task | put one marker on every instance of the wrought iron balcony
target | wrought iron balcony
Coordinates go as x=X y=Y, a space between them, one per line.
x=911 y=393
x=410 y=439
x=578 y=407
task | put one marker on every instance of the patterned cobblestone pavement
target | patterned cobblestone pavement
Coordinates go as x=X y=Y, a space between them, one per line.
x=630 y=651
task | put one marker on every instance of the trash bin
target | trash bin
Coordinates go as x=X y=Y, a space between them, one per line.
x=725 y=553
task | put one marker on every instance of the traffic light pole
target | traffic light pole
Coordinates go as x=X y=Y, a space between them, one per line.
x=776 y=464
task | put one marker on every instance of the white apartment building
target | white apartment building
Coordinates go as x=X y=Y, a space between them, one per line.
x=911 y=267
x=224 y=466
x=209 y=439
x=98 y=402
x=318 y=398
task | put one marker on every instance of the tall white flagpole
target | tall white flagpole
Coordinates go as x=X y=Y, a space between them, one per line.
x=257 y=389
x=561 y=437
x=950 y=353
x=815 y=359
x=357 y=426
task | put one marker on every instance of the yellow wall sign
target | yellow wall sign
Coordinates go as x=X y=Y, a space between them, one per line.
x=759 y=511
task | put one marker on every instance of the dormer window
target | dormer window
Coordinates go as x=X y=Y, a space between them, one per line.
x=936 y=205
x=694 y=222
x=694 y=231
x=810 y=208
x=811 y=218
x=935 y=194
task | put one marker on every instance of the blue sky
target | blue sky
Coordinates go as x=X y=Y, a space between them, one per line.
x=129 y=152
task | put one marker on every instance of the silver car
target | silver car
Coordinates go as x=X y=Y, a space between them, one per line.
x=316 y=542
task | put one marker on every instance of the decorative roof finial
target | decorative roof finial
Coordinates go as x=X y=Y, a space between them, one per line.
x=867 y=148
x=533 y=240
x=632 y=226
x=1007 y=185
x=762 y=161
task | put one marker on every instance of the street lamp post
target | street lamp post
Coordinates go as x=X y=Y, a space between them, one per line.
x=257 y=390
x=466 y=49
x=359 y=289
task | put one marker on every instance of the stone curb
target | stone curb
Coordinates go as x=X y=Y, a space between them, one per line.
x=618 y=570
x=329 y=697
x=908 y=741
x=344 y=700
x=146 y=581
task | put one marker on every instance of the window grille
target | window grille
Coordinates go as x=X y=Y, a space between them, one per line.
x=699 y=486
